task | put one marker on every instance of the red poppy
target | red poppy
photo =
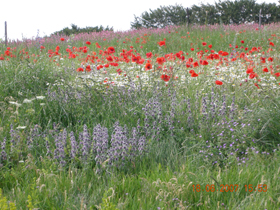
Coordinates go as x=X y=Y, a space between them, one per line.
x=191 y=71
x=97 y=45
x=242 y=41
x=277 y=74
x=253 y=75
x=195 y=64
x=270 y=59
x=80 y=69
x=194 y=74
x=178 y=55
x=249 y=70
x=218 y=82
x=62 y=39
x=88 y=43
x=111 y=50
x=161 y=43
x=148 y=66
x=216 y=56
x=192 y=49
x=165 y=77
x=160 y=60
x=257 y=85
x=204 y=43
x=106 y=65
x=109 y=58
x=134 y=59
x=88 y=68
x=210 y=46
x=262 y=59
x=204 y=63
x=265 y=70
x=141 y=61
x=224 y=53
x=149 y=55
x=271 y=43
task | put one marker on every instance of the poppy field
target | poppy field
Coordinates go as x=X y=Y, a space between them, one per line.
x=172 y=118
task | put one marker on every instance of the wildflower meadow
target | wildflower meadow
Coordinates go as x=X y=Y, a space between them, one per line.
x=172 y=118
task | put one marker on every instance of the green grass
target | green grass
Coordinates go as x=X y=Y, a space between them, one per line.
x=182 y=152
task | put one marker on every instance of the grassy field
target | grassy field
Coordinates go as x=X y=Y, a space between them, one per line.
x=173 y=118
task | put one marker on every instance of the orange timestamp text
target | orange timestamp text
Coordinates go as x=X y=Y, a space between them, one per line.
x=229 y=188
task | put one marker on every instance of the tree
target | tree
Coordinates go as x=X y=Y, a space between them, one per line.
x=205 y=14
x=236 y=12
x=161 y=17
x=76 y=30
x=228 y=11
x=270 y=13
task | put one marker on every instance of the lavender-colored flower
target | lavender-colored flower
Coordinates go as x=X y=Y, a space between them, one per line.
x=141 y=145
x=3 y=152
x=29 y=142
x=64 y=137
x=59 y=153
x=190 y=119
x=74 y=146
x=48 y=147
x=85 y=143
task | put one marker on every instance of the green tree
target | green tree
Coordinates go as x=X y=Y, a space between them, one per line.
x=205 y=14
x=270 y=13
x=161 y=17
x=229 y=12
x=238 y=12
x=76 y=30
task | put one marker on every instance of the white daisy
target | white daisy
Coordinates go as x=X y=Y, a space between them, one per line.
x=27 y=101
x=21 y=127
x=15 y=103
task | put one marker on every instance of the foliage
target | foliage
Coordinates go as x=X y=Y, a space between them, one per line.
x=3 y=203
x=161 y=17
x=231 y=12
x=106 y=204
x=76 y=30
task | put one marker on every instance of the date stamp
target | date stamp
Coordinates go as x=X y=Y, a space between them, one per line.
x=229 y=188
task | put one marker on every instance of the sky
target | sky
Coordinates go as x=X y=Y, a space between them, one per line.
x=25 y=17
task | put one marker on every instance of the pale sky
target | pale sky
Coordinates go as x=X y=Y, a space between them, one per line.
x=26 y=17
